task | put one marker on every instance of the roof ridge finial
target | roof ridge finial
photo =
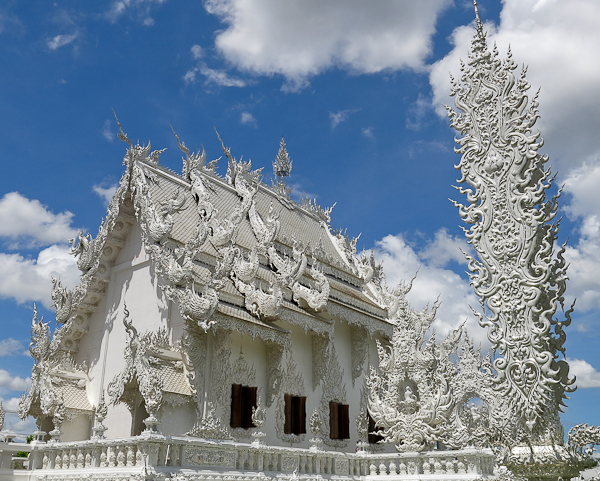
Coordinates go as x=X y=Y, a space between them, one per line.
x=478 y=22
x=282 y=165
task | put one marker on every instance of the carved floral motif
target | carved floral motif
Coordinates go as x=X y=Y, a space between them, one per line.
x=517 y=277
x=291 y=383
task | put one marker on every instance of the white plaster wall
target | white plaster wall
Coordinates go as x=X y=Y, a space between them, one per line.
x=78 y=430
x=133 y=280
x=177 y=420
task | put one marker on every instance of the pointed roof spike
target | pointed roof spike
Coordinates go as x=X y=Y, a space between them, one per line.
x=122 y=135
x=478 y=22
x=476 y=10
x=282 y=165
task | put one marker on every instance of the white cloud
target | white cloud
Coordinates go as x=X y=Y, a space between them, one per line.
x=219 y=77
x=10 y=347
x=587 y=376
x=337 y=118
x=107 y=132
x=301 y=39
x=105 y=192
x=190 y=76
x=247 y=118
x=417 y=113
x=13 y=383
x=12 y=423
x=27 y=280
x=55 y=43
x=197 y=51
x=581 y=185
x=368 y=132
x=445 y=248
x=28 y=222
x=401 y=261
x=141 y=8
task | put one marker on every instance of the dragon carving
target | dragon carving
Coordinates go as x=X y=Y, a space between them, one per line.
x=83 y=249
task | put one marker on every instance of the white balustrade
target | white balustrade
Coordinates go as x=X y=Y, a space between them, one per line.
x=159 y=452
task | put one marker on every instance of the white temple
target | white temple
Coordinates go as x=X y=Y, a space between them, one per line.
x=222 y=331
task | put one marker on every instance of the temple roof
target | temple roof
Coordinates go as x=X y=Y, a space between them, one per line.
x=228 y=248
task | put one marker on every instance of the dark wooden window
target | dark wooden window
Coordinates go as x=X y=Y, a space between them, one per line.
x=295 y=414
x=373 y=438
x=243 y=399
x=339 y=421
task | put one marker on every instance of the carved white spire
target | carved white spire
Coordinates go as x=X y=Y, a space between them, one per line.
x=517 y=277
x=282 y=165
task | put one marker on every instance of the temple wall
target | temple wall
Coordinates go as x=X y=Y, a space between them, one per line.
x=133 y=281
x=77 y=430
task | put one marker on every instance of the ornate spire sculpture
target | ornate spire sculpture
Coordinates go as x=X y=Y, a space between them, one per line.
x=282 y=165
x=517 y=276
x=282 y=168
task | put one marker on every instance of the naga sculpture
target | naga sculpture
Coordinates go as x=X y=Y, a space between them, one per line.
x=519 y=280
x=83 y=248
x=138 y=352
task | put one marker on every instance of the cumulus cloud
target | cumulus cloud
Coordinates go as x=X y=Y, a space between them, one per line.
x=300 y=39
x=107 y=132
x=247 y=118
x=544 y=35
x=28 y=222
x=106 y=193
x=10 y=347
x=587 y=376
x=220 y=77
x=417 y=113
x=197 y=51
x=12 y=422
x=27 y=280
x=368 y=132
x=13 y=383
x=583 y=255
x=337 y=118
x=139 y=8
x=58 y=41
x=401 y=261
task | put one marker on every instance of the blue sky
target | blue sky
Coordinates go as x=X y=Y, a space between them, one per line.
x=356 y=88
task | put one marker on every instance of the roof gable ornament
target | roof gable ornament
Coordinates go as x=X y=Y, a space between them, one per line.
x=282 y=165
x=282 y=168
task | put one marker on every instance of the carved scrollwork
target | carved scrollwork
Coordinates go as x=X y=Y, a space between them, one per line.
x=582 y=438
x=517 y=277
x=195 y=308
x=142 y=364
x=194 y=346
x=333 y=390
x=292 y=383
x=258 y=302
x=274 y=370
x=360 y=349
x=264 y=230
x=210 y=426
x=83 y=250
x=315 y=299
x=320 y=357
x=410 y=398
x=47 y=384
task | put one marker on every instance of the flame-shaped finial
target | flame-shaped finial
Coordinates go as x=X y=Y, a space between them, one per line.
x=478 y=21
